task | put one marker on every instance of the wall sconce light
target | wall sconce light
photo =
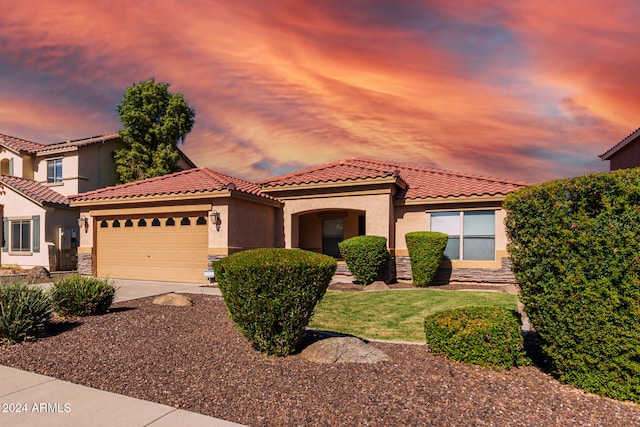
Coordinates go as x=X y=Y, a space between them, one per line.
x=215 y=219
x=83 y=222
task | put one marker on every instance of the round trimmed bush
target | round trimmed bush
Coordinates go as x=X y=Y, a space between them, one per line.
x=271 y=293
x=366 y=257
x=425 y=252
x=23 y=311
x=77 y=295
x=485 y=336
x=575 y=249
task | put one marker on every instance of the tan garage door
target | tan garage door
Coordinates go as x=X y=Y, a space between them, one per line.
x=163 y=248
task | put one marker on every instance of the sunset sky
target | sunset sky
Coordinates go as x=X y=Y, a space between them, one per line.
x=518 y=89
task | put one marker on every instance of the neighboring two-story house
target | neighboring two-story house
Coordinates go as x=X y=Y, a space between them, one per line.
x=40 y=228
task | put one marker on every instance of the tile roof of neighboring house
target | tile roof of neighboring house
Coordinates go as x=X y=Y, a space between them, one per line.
x=39 y=193
x=190 y=181
x=77 y=143
x=421 y=183
x=24 y=146
x=620 y=145
x=20 y=145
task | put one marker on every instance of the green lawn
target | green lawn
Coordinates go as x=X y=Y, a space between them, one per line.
x=395 y=315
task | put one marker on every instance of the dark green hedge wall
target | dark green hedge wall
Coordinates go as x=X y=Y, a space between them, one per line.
x=576 y=254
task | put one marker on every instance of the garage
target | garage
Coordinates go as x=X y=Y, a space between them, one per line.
x=169 y=247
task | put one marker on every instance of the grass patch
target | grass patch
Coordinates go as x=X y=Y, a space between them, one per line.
x=395 y=315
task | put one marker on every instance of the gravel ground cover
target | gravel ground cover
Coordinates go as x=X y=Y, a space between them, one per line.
x=193 y=358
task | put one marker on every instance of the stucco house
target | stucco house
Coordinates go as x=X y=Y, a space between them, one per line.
x=40 y=228
x=328 y=203
x=175 y=225
x=170 y=228
x=625 y=154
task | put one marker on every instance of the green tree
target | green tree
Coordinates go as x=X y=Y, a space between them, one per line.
x=154 y=120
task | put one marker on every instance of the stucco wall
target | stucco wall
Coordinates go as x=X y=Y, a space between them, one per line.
x=628 y=157
x=19 y=169
x=96 y=166
x=16 y=206
x=251 y=225
x=69 y=184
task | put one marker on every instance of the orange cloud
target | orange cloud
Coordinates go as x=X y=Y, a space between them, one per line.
x=521 y=90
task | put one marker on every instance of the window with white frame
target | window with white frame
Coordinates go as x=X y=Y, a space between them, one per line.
x=472 y=234
x=54 y=170
x=20 y=235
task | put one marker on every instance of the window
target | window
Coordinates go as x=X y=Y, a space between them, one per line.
x=128 y=223
x=104 y=224
x=155 y=222
x=170 y=222
x=21 y=235
x=116 y=224
x=472 y=234
x=201 y=221
x=54 y=170
x=185 y=221
x=142 y=222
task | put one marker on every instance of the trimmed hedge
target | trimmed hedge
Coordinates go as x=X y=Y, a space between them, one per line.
x=425 y=252
x=485 y=336
x=576 y=254
x=271 y=293
x=366 y=257
x=23 y=311
x=77 y=295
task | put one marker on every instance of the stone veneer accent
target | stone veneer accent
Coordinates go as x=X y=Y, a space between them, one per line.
x=474 y=275
x=85 y=264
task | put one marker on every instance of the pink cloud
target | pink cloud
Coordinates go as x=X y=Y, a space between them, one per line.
x=522 y=90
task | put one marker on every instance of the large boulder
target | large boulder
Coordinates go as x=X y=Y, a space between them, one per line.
x=343 y=350
x=38 y=274
x=173 y=299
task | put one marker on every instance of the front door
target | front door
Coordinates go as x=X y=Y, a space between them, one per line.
x=332 y=234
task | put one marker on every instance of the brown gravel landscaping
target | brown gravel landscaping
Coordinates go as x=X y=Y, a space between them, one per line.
x=193 y=358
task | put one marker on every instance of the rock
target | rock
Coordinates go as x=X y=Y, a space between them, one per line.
x=37 y=274
x=173 y=299
x=377 y=286
x=343 y=350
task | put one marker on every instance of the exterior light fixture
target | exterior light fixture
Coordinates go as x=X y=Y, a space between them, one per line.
x=215 y=219
x=83 y=222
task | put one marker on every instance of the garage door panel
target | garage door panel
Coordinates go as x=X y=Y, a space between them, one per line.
x=164 y=252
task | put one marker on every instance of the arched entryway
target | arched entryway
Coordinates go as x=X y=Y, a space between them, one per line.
x=322 y=230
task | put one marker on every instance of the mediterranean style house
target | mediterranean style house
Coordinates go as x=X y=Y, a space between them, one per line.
x=40 y=228
x=625 y=154
x=172 y=227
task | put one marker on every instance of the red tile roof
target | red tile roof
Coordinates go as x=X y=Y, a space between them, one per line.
x=191 y=181
x=620 y=145
x=20 y=145
x=78 y=143
x=421 y=183
x=35 y=191
x=24 y=146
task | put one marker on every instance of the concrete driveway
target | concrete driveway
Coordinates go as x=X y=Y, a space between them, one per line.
x=134 y=289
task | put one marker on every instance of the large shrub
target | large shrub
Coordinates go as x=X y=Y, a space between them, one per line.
x=77 y=295
x=23 y=311
x=485 y=336
x=576 y=254
x=425 y=252
x=271 y=294
x=366 y=257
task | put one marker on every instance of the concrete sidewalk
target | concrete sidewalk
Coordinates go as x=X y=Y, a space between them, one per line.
x=33 y=400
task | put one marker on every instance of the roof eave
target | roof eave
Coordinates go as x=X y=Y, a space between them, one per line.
x=333 y=184
x=620 y=145
x=451 y=199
